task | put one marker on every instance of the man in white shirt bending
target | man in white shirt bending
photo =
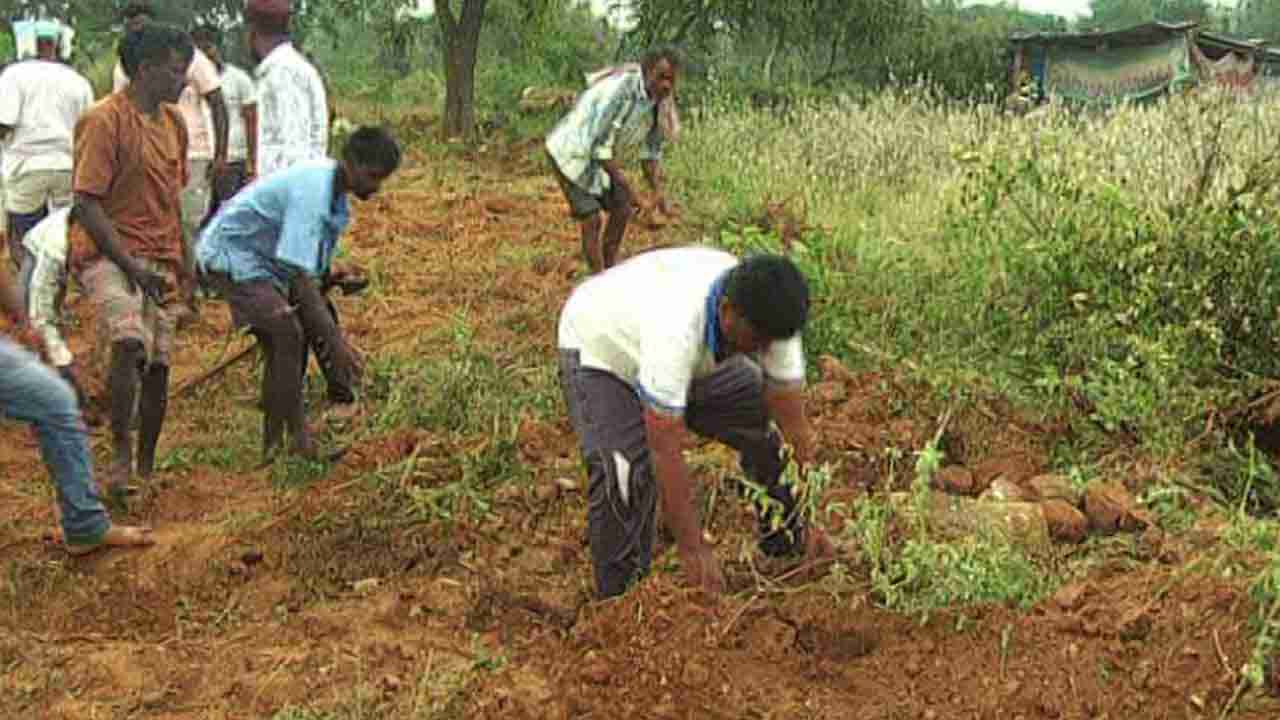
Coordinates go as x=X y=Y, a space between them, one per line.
x=40 y=101
x=714 y=347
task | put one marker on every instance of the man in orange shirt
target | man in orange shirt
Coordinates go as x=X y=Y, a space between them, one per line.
x=130 y=168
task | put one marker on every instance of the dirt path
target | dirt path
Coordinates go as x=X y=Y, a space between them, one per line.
x=386 y=588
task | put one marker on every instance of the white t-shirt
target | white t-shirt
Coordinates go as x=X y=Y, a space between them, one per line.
x=293 y=111
x=649 y=321
x=202 y=79
x=42 y=101
x=239 y=92
x=47 y=243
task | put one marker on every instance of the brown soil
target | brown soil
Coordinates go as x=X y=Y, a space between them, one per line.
x=329 y=594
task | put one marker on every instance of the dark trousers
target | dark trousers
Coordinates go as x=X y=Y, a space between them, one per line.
x=231 y=182
x=288 y=329
x=608 y=417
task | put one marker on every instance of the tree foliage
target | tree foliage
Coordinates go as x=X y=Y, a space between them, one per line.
x=1260 y=18
x=1118 y=14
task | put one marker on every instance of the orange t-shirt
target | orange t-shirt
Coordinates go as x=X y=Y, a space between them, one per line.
x=136 y=165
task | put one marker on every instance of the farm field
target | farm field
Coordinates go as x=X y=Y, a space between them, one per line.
x=440 y=569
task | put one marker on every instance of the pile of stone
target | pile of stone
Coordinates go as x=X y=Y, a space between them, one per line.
x=1039 y=509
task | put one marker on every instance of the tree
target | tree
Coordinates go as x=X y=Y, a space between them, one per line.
x=1260 y=19
x=460 y=35
x=1119 y=14
x=1183 y=10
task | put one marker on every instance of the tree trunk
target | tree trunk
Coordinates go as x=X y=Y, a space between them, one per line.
x=773 y=54
x=460 y=34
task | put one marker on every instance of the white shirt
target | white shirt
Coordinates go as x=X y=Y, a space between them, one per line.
x=47 y=243
x=239 y=92
x=651 y=321
x=42 y=101
x=202 y=79
x=293 y=111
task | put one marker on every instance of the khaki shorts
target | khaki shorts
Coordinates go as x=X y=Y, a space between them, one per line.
x=30 y=192
x=124 y=315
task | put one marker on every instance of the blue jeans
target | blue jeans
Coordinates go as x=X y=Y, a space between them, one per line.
x=32 y=392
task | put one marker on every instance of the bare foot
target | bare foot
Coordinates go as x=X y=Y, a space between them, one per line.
x=117 y=536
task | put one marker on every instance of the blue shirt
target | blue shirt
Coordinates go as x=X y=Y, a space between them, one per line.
x=283 y=224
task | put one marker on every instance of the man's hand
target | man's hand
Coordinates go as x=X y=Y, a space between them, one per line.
x=818 y=547
x=154 y=285
x=350 y=281
x=702 y=569
x=217 y=171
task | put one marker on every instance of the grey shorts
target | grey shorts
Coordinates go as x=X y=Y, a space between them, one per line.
x=583 y=204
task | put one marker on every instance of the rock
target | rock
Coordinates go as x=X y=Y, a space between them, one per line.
x=251 y=557
x=833 y=369
x=596 y=671
x=539 y=99
x=772 y=637
x=1134 y=624
x=1019 y=522
x=1054 y=487
x=566 y=484
x=1066 y=523
x=955 y=479
x=546 y=493
x=829 y=392
x=1014 y=468
x=392 y=683
x=696 y=674
x=1110 y=509
x=1070 y=597
x=1005 y=490
x=366 y=586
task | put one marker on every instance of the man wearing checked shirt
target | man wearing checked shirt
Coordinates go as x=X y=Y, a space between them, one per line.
x=623 y=106
x=715 y=348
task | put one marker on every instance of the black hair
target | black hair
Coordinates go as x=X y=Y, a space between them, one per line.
x=372 y=147
x=136 y=8
x=670 y=54
x=771 y=293
x=153 y=43
x=206 y=34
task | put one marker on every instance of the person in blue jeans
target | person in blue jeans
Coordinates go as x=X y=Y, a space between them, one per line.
x=34 y=393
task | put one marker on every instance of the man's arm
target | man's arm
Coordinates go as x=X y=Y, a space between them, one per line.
x=653 y=174
x=11 y=304
x=94 y=218
x=665 y=435
x=218 y=108
x=11 y=301
x=785 y=405
x=46 y=278
x=250 y=115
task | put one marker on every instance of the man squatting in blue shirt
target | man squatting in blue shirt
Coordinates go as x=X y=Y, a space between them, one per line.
x=269 y=250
